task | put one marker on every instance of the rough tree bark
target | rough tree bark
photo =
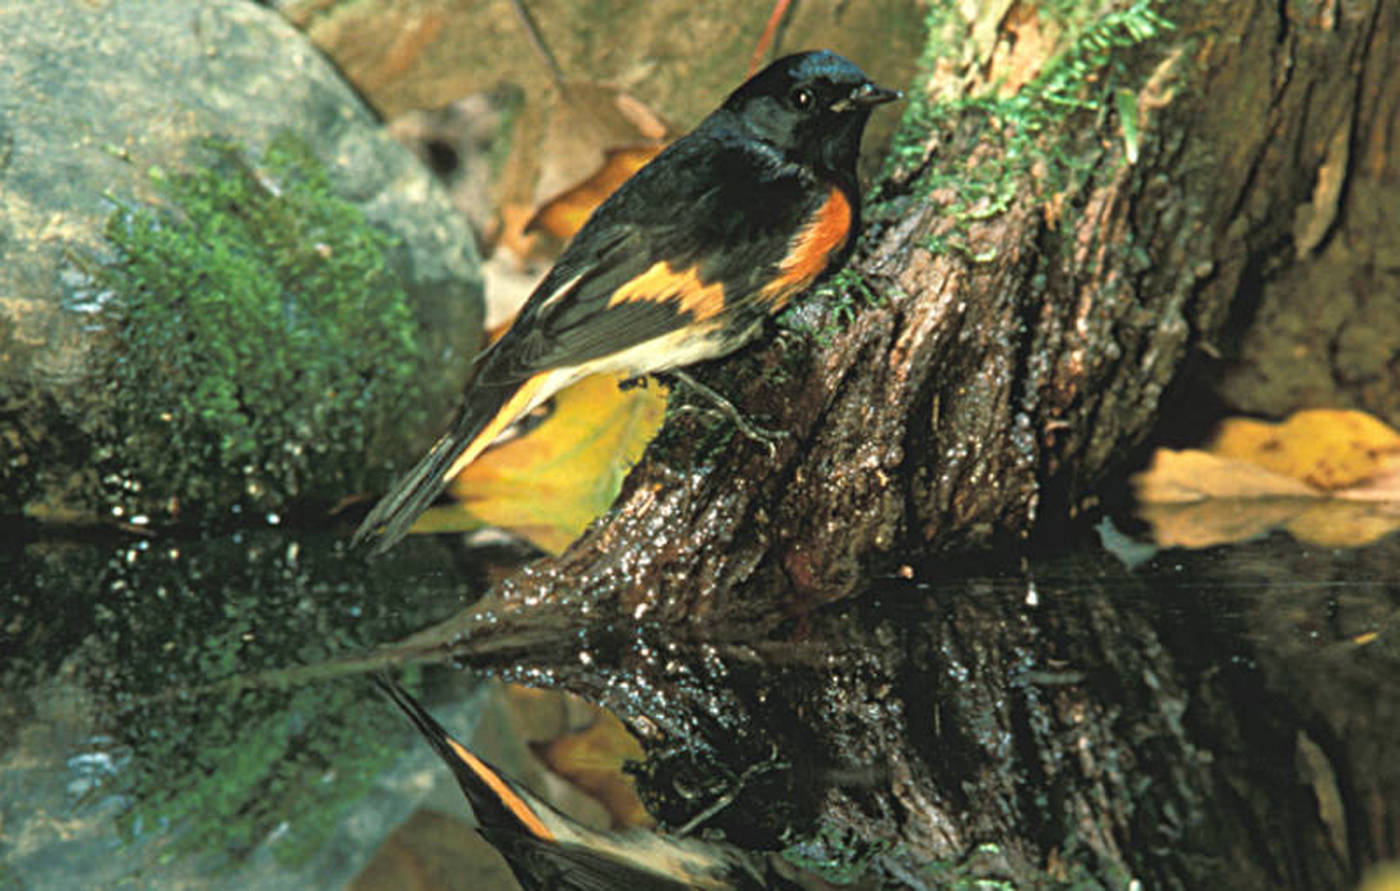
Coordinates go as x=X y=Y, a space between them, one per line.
x=1017 y=349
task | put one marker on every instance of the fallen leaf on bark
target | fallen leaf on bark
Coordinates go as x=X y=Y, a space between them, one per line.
x=548 y=483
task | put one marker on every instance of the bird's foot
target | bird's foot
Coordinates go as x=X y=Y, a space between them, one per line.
x=725 y=408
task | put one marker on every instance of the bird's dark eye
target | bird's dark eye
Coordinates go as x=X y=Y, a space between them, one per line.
x=801 y=99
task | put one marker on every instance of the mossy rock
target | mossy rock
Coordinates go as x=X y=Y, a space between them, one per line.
x=260 y=346
x=222 y=286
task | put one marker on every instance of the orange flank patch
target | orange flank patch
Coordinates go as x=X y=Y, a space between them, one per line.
x=812 y=249
x=684 y=289
x=530 y=394
x=513 y=802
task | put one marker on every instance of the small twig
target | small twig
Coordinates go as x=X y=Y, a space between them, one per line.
x=770 y=31
x=532 y=31
x=725 y=800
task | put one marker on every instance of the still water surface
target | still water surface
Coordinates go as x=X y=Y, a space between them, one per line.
x=159 y=727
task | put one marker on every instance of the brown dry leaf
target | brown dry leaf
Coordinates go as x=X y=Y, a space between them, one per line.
x=1326 y=448
x=538 y=713
x=1329 y=477
x=515 y=218
x=565 y=214
x=591 y=144
x=430 y=852
x=597 y=137
x=592 y=759
x=535 y=717
x=588 y=120
x=548 y=484
x=1383 y=487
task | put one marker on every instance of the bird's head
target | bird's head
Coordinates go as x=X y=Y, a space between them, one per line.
x=813 y=106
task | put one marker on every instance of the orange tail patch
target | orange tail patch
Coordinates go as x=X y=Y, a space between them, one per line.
x=507 y=796
x=530 y=394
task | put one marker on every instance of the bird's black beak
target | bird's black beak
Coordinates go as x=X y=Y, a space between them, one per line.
x=867 y=95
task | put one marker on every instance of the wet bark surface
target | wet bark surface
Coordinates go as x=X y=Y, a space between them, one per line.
x=1010 y=362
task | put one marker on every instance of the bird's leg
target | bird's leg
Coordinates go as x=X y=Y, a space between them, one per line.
x=726 y=408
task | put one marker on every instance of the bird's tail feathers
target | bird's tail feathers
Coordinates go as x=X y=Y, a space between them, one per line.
x=482 y=421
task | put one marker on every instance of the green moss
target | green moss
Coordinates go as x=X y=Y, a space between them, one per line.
x=260 y=343
x=838 y=856
x=254 y=763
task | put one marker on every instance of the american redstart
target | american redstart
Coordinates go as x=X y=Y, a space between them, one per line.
x=681 y=264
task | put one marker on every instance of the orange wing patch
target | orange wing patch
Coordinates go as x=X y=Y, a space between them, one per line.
x=664 y=284
x=812 y=249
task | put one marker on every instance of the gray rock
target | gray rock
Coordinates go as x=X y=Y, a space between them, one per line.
x=94 y=96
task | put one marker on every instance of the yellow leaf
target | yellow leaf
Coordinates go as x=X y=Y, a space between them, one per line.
x=548 y=484
x=1328 y=449
x=1383 y=876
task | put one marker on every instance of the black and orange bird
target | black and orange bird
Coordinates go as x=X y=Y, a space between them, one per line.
x=548 y=851
x=681 y=264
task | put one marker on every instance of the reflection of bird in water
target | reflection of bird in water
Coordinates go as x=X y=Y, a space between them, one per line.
x=548 y=851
